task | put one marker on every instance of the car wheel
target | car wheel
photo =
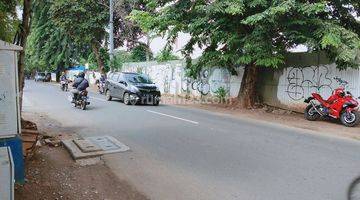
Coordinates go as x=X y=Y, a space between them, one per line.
x=127 y=99
x=108 y=95
x=156 y=102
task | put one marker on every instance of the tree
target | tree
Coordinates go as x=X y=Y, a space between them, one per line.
x=126 y=31
x=105 y=57
x=140 y=53
x=257 y=33
x=166 y=55
x=83 y=21
x=8 y=20
x=120 y=58
x=49 y=48
x=21 y=39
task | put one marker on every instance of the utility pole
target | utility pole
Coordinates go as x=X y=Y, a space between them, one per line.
x=111 y=23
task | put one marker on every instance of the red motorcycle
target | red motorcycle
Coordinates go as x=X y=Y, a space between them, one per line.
x=340 y=105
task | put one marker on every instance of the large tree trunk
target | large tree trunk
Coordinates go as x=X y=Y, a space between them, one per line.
x=248 y=94
x=100 y=62
x=21 y=41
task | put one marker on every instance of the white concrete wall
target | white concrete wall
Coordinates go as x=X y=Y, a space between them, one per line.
x=171 y=78
x=297 y=83
x=283 y=88
x=53 y=77
x=92 y=76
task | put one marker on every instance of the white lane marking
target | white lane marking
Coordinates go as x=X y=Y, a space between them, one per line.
x=179 y=118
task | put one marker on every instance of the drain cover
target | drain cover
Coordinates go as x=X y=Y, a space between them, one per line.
x=90 y=147
x=108 y=144
x=86 y=145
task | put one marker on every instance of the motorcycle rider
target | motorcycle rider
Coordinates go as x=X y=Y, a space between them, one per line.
x=80 y=84
x=102 y=78
x=101 y=83
x=63 y=77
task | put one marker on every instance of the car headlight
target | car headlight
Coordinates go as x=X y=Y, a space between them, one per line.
x=133 y=89
x=157 y=89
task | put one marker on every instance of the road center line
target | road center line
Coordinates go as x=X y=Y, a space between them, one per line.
x=179 y=118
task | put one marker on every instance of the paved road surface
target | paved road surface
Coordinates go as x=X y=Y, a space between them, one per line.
x=180 y=153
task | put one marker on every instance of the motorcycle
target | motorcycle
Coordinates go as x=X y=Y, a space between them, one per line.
x=81 y=101
x=101 y=87
x=64 y=85
x=340 y=105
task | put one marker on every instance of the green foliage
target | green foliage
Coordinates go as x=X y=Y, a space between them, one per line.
x=127 y=32
x=120 y=58
x=140 y=52
x=49 y=48
x=166 y=55
x=221 y=93
x=83 y=20
x=8 y=20
x=259 y=32
x=92 y=61
x=144 y=19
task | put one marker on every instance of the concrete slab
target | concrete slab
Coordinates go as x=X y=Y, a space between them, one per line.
x=104 y=144
x=108 y=144
x=86 y=145
x=76 y=152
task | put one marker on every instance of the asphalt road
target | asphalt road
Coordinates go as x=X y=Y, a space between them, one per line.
x=182 y=153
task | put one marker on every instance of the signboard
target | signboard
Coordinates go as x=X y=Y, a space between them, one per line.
x=9 y=110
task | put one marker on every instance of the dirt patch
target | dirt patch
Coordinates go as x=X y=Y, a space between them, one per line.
x=52 y=174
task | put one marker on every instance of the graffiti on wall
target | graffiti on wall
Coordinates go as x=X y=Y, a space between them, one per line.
x=304 y=81
x=172 y=78
x=208 y=81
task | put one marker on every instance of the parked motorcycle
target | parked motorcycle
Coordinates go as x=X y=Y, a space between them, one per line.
x=64 y=85
x=81 y=101
x=340 y=105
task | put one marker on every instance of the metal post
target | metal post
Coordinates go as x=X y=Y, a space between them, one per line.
x=111 y=23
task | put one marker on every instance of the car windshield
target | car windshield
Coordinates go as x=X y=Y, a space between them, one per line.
x=137 y=78
x=41 y=74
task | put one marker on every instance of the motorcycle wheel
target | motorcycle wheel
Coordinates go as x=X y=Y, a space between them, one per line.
x=350 y=120
x=62 y=88
x=311 y=114
x=83 y=105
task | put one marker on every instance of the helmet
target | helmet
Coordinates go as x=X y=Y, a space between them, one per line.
x=81 y=75
x=339 y=92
